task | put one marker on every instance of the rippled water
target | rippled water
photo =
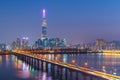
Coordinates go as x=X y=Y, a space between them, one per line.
x=104 y=62
x=11 y=68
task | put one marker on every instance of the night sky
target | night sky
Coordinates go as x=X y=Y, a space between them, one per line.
x=76 y=20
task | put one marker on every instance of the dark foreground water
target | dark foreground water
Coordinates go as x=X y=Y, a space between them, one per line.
x=104 y=62
x=11 y=68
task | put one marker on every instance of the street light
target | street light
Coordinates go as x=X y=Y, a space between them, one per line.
x=56 y=58
x=103 y=68
x=73 y=61
x=114 y=73
x=86 y=64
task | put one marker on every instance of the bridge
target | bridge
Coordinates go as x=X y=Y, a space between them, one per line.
x=66 y=51
x=110 y=51
x=37 y=61
x=5 y=52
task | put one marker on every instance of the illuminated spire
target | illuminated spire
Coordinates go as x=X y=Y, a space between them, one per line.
x=44 y=13
x=44 y=18
x=44 y=25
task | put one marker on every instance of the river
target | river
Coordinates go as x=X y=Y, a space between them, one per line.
x=11 y=68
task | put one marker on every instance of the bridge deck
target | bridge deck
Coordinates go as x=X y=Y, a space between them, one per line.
x=73 y=67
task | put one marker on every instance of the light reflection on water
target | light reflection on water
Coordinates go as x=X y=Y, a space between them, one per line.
x=0 y=59
x=18 y=69
x=15 y=69
x=109 y=63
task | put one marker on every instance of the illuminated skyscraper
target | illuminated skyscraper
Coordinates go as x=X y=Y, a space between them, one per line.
x=18 y=43
x=25 y=42
x=45 y=42
x=44 y=25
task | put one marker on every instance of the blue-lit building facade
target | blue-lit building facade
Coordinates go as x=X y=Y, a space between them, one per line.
x=20 y=43
x=2 y=46
x=50 y=43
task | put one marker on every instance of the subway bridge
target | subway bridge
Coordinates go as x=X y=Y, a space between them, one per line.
x=38 y=61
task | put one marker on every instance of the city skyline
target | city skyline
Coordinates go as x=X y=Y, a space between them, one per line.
x=59 y=39
x=85 y=21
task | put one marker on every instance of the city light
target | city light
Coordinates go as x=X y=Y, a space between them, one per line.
x=44 y=13
x=73 y=61
x=73 y=41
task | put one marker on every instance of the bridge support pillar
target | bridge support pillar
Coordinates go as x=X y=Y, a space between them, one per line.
x=21 y=58
x=46 y=67
x=76 y=75
x=38 y=64
x=71 y=77
x=25 y=58
x=35 y=63
x=41 y=65
x=32 y=62
x=28 y=60
x=66 y=74
x=91 y=78
x=52 y=69
x=84 y=77
x=57 y=70
x=60 y=72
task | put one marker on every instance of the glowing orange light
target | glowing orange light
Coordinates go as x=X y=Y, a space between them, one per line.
x=103 y=67
x=73 y=61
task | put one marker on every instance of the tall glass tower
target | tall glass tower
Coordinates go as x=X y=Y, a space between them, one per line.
x=44 y=25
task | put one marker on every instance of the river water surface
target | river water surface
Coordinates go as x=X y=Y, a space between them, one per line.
x=11 y=68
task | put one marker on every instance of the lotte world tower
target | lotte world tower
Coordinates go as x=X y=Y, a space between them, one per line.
x=44 y=25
